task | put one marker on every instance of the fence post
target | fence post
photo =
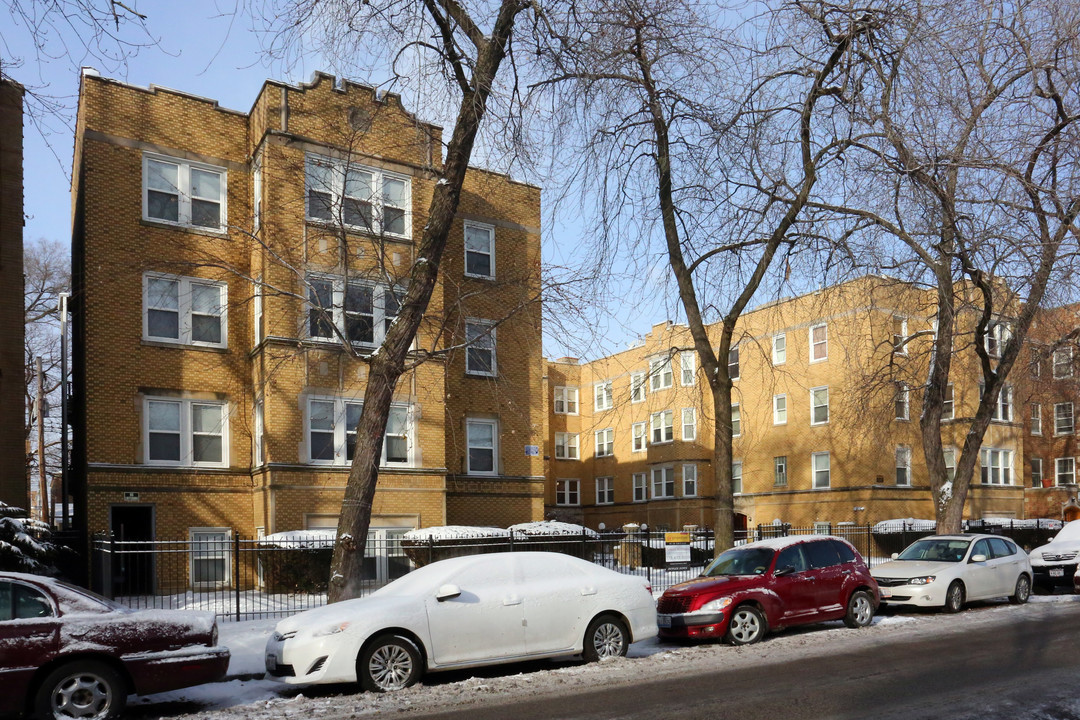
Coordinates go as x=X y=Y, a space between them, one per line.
x=511 y=540
x=430 y=548
x=236 y=572
x=584 y=542
x=108 y=579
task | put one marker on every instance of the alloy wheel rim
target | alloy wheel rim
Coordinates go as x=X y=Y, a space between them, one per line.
x=391 y=667
x=1024 y=589
x=608 y=641
x=863 y=612
x=954 y=597
x=82 y=696
x=745 y=626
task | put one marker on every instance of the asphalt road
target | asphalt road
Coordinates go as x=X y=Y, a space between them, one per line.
x=1026 y=669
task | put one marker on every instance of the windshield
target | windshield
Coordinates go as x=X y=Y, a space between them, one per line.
x=936 y=550
x=740 y=561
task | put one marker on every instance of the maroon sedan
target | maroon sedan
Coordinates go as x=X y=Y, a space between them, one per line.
x=68 y=653
x=768 y=585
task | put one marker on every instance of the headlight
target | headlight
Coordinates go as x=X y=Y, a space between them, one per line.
x=331 y=629
x=924 y=580
x=716 y=605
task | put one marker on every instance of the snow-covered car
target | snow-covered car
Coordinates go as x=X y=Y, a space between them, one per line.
x=68 y=653
x=1055 y=563
x=768 y=585
x=948 y=570
x=466 y=611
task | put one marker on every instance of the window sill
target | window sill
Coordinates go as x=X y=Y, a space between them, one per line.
x=480 y=375
x=195 y=229
x=487 y=278
x=357 y=230
x=146 y=342
x=661 y=442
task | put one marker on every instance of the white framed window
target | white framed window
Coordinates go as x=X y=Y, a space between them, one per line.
x=358 y=311
x=185 y=310
x=822 y=528
x=482 y=443
x=331 y=432
x=638 y=437
x=903 y=465
x=689 y=480
x=997 y=466
x=688 y=366
x=605 y=491
x=733 y=363
x=662 y=431
x=1065 y=470
x=899 y=335
x=819 y=343
x=819 y=405
x=779 y=409
x=780 y=471
x=1063 y=363
x=211 y=556
x=660 y=374
x=358 y=197
x=1035 y=363
x=641 y=487
x=689 y=424
x=605 y=442
x=480 y=348
x=479 y=250
x=950 y=463
x=1036 y=472
x=185 y=433
x=257 y=311
x=1036 y=419
x=822 y=472
x=736 y=477
x=603 y=399
x=1003 y=409
x=567 y=492
x=256 y=190
x=566 y=446
x=663 y=482
x=779 y=349
x=903 y=402
x=185 y=193
x=637 y=387
x=736 y=420
x=566 y=401
x=1064 y=419
x=258 y=434
x=997 y=335
x=948 y=406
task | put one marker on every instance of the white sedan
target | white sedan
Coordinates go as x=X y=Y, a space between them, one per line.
x=477 y=610
x=949 y=570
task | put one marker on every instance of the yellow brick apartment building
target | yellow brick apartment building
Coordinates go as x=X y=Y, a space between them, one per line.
x=231 y=271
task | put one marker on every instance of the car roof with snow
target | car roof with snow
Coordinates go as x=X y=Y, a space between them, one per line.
x=779 y=543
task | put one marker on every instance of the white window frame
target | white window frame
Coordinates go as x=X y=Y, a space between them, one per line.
x=185 y=432
x=257 y=189
x=949 y=456
x=900 y=341
x=639 y=437
x=902 y=409
x=185 y=310
x=779 y=409
x=737 y=477
x=687 y=367
x=1058 y=415
x=484 y=228
x=340 y=429
x=257 y=312
x=738 y=367
x=689 y=424
x=378 y=203
x=780 y=471
x=603 y=398
x=663 y=477
x=258 y=433
x=568 y=492
x=338 y=317
x=815 y=471
x=637 y=387
x=484 y=339
x=998 y=334
x=779 y=349
x=689 y=480
x=736 y=420
x=605 y=491
x=641 y=487
x=903 y=465
x=567 y=396
x=660 y=374
x=948 y=403
x=221 y=549
x=996 y=462
x=1036 y=418
x=494 y=424
x=662 y=422
x=1064 y=470
x=1063 y=362
x=822 y=343
x=183 y=192
x=605 y=442
x=825 y=405
x=567 y=446
x=1033 y=474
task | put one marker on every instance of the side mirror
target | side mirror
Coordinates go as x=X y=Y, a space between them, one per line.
x=895 y=555
x=447 y=592
x=978 y=558
x=786 y=570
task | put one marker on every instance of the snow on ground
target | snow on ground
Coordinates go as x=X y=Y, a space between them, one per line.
x=262 y=699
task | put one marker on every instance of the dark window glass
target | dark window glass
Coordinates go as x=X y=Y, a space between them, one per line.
x=792 y=557
x=320 y=316
x=6 y=612
x=1001 y=548
x=29 y=603
x=844 y=551
x=981 y=548
x=821 y=554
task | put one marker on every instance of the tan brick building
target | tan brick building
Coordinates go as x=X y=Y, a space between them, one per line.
x=827 y=405
x=232 y=269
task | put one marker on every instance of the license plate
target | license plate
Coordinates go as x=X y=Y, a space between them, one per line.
x=663 y=621
x=885 y=592
x=271 y=662
x=1057 y=572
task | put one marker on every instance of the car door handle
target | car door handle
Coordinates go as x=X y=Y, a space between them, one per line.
x=512 y=600
x=588 y=591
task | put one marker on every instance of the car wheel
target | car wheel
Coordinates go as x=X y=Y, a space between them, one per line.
x=389 y=663
x=1022 y=592
x=860 y=610
x=606 y=637
x=954 y=597
x=87 y=690
x=747 y=626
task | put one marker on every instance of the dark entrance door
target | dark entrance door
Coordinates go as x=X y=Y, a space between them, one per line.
x=740 y=527
x=132 y=527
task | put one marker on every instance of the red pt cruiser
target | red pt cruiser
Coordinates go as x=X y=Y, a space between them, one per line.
x=769 y=585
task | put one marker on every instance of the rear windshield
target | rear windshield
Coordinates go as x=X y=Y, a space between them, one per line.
x=936 y=550
x=741 y=561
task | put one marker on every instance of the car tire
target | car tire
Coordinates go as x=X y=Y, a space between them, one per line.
x=86 y=689
x=606 y=637
x=747 y=626
x=1023 y=590
x=389 y=663
x=860 y=610
x=954 y=597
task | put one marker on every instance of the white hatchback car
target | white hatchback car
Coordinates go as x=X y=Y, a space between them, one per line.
x=477 y=610
x=949 y=570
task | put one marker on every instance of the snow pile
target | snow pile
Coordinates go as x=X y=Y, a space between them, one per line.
x=551 y=528
x=455 y=532
x=889 y=527
x=301 y=539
